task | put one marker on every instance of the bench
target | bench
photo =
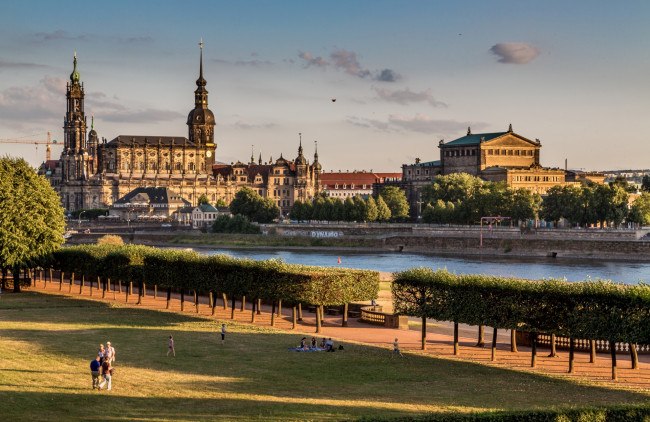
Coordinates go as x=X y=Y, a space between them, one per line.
x=354 y=314
x=333 y=311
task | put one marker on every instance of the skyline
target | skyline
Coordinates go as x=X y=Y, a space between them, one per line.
x=404 y=76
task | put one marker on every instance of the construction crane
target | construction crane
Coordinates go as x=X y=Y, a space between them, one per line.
x=48 y=152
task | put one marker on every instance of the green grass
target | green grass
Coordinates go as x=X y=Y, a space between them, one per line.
x=48 y=341
x=272 y=240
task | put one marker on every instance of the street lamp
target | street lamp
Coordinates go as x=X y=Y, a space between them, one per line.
x=80 y=216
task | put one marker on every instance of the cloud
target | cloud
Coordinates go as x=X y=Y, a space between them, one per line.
x=407 y=96
x=148 y=115
x=369 y=124
x=419 y=123
x=19 y=65
x=23 y=106
x=59 y=34
x=346 y=61
x=514 y=52
x=312 y=61
x=246 y=126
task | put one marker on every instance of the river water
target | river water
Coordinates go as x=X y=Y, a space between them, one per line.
x=528 y=268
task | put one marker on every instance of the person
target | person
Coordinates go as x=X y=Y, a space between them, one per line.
x=329 y=345
x=223 y=333
x=106 y=371
x=171 y=346
x=322 y=343
x=313 y=343
x=95 y=366
x=110 y=353
x=302 y=343
x=396 y=349
x=101 y=353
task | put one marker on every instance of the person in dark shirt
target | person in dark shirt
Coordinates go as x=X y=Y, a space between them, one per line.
x=94 y=371
x=106 y=371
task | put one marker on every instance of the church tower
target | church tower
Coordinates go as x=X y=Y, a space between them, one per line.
x=200 y=122
x=75 y=158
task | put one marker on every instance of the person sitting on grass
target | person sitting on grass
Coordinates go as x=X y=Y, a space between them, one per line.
x=322 y=343
x=329 y=345
x=303 y=344
x=314 y=344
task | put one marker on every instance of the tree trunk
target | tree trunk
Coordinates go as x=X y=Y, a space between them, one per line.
x=214 y=303
x=253 y=303
x=60 y=280
x=225 y=301
x=169 y=296
x=103 y=281
x=182 y=300
x=16 y=274
x=273 y=313
x=196 y=301
x=243 y=303
x=300 y=312
x=155 y=291
x=140 y=293
x=119 y=286
x=572 y=346
x=513 y=341
x=553 y=353
x=130 y=287
x=494 y=344
x=481 y=336
x=456 y=347
x=279 y=307
x=211 y=303
x=259 y=307
x=232 y=310
x=71 y=283
x=533 y=358
x=90 y=283
x=592 y=351
x=612 y=349
x=293 y=317
x=344 y=322
x=424 y=333
x=318 y=320
x=81 y=283
x=114 y=290
x=4 y=279
x=126 y=294
x=633 y=356
x=322 y=314
x=51 y=280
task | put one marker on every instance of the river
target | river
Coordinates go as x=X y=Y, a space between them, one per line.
x=528 y=268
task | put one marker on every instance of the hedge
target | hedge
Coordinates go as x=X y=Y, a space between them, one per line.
x=590 y=310
x=621 y=413
x=268 y=280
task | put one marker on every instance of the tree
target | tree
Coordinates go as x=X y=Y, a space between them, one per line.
x=450 y=188
x=623 y=183
x=645 y=183
x=439 y=213
x=296 y=210
x=266 y=211
x=350 y=212
x=234 y=224
x=371 y=209
x=307 y=210
x=203 y=200
x=31 y=217
x=383 y=212
x=319 y=210
x=525 y=205
x=248 y=203
x=640 y=210
x=395 y=198
x=339 y=210
x=360 y=208
x=221 y=203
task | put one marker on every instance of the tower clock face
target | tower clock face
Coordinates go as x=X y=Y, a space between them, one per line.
x=208 y=154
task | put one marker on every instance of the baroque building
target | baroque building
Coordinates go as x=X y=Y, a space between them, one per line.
x=97 y=174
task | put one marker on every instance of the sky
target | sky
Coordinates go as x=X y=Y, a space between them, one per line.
x=375 y=83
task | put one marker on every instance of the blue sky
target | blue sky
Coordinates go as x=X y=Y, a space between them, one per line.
x=404 y=74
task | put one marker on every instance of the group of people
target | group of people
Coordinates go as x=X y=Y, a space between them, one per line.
x=102 y=366
x=327 y=345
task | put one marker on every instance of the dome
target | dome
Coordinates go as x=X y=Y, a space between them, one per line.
x=317 y=166
x=200 y=116
x=300 y=160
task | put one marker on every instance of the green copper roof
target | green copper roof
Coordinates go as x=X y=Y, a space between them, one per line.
x=75 y=77
x=474 y=139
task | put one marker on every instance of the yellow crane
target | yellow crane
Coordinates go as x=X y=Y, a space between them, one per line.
x=48 y=142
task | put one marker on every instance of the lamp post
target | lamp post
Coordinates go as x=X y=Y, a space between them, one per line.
x=80 y=217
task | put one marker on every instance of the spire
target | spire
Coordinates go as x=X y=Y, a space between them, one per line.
x=300 y=147
x=260 y=160
x=252 y=154
x=510 y=128
x=92 y=121
x=74 y=76
x=316 y=151
x=201 y=83
x=469 y=130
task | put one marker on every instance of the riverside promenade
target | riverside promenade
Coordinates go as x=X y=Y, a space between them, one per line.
x=439 y=344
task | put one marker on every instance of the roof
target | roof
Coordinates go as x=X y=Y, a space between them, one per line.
x=473 y=139
x=358 y=178
x=207 y=208
x=426 y=164
x=151 y=140
x=151 y=195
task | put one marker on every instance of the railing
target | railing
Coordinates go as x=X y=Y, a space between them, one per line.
x=373 y=315
x=544 y=340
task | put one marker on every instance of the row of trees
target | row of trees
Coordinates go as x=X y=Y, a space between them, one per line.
x=586 y=204
x=389 y=205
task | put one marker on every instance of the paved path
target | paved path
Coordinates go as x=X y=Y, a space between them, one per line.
x=439 y=337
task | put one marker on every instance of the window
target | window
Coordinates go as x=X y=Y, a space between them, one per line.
x=345 y=186
x=352 y=186
x=336 y=186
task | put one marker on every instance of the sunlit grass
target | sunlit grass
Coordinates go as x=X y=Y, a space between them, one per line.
x=47 y=342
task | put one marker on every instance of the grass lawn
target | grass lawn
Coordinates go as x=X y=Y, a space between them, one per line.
x=48 y=341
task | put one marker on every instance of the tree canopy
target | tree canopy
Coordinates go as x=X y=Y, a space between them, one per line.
x=250 y=204
x=31 y=217
x=396 y=200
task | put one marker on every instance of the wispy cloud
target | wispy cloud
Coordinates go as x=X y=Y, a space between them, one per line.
x=347 y=61
x=59 y=34
x=419 y=123
x=19 y=65
x=514 y=52
x=41 y=102
x=406 y=96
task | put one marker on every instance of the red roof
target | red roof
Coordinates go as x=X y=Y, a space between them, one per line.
x=359 y=178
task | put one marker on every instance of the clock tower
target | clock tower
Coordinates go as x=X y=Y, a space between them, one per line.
x=200 y=123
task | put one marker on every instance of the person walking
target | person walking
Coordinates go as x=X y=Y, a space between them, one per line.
x=95 y=366
x=101 y=353
x=223 y=333
x=396 y=349
x=110 y=353
x=106 y=371
x=171 y=346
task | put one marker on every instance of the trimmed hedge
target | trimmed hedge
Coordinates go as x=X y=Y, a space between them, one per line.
x=268 y=280
x=591 y=309
x=622 y=413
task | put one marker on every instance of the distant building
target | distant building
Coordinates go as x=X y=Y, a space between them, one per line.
x=350 y=184
x=147 y=203
x=199 y=216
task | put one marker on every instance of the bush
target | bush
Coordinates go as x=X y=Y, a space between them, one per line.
x=110 y=239
x=234 y=224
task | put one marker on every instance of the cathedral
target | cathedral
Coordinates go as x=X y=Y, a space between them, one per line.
x=94 y=173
